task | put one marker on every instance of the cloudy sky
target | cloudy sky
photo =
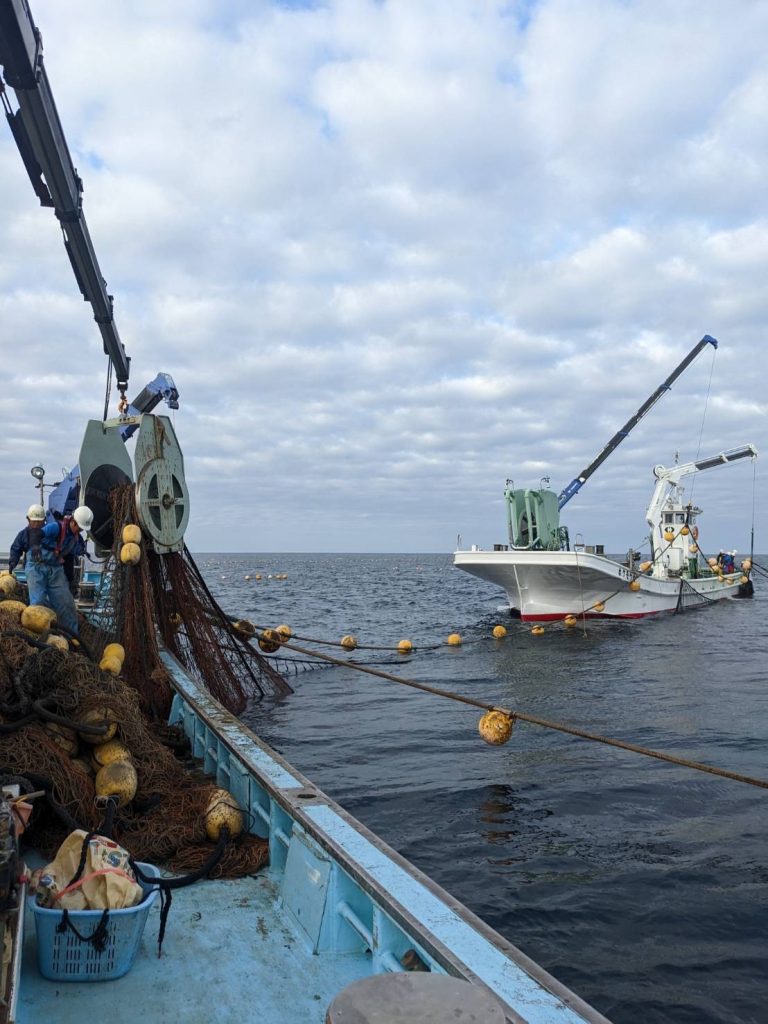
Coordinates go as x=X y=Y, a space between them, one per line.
x=394 y=253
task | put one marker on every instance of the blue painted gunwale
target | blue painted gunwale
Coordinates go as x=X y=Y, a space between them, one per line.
x=345 y=888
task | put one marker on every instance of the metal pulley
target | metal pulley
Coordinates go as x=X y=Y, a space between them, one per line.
x=162 y=498
x=104 y=463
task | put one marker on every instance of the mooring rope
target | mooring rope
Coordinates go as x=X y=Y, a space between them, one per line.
x=534 y=719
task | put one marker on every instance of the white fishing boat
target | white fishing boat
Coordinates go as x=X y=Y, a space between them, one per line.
x=546 y=578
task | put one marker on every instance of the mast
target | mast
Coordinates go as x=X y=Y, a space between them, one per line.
x=577 y=483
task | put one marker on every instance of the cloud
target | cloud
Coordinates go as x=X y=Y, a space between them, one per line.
x=395 y=253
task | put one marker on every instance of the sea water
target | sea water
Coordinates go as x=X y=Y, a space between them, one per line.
x=639 y=884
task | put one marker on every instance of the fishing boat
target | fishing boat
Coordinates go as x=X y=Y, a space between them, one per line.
x=548 y=579
x=338 y=926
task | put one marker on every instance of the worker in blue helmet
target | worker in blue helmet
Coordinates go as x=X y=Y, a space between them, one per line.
x=46 y=578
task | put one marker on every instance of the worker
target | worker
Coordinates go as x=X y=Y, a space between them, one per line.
x=728 y=561
x=28 y=538
x=46 y=578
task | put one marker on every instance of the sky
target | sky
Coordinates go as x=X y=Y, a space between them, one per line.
x=396 y=253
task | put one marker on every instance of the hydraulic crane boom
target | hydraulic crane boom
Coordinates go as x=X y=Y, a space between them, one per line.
x=40 y=138
x=576 y=484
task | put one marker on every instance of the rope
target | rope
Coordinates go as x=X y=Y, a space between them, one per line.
x=542 y=722
x=703 y=418
x=108 y=389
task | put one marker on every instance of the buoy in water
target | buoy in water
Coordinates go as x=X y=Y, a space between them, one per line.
x=454 y=640
x=537 y=630
x=570 y=621
x=499 y=632
x=285 y=632
x=495 y=727
x=599 y=606
x=349 y=642
x=405 y=647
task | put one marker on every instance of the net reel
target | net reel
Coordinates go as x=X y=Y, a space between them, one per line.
x=162 y=497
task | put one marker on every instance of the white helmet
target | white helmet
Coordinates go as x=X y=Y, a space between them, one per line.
x=36 y=513
x=83 y=517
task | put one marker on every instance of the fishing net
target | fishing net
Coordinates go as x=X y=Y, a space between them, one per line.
x=167 y=595
x=166 y=820
x=45 y=693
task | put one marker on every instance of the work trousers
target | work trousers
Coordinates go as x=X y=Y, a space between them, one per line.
x=49 y=585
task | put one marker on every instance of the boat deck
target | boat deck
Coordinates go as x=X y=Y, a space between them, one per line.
x=212 y=928
x=336 y=905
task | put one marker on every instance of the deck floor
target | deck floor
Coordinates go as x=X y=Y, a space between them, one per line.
x=228 y=955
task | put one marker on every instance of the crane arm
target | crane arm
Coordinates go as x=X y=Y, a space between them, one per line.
x=40 y=138
x=671 y=477
x=576 y=484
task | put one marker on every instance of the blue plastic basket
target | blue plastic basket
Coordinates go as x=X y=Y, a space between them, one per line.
x=61 y=956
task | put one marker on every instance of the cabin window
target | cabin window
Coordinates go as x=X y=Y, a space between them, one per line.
x=680 y=517
x=668 y=517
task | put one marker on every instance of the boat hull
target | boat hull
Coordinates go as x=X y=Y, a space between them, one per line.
x=548 y=585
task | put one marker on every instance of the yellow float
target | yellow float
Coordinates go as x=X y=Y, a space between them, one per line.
x=103 y=715
x=37 y=617
x=131 y=534
x=270 y=641
x=495 y=727
x=106 y=753
x=130 y=554
x=222 y=811
x=117 y=780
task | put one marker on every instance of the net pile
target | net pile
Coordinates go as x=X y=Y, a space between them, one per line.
x=160 y=598
x=164 y=823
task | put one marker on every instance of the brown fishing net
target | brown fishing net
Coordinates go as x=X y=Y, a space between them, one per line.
x=166 y=595
x=162 y=598
x=165 y=822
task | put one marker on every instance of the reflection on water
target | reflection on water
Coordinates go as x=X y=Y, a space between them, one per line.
x=639 y=884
